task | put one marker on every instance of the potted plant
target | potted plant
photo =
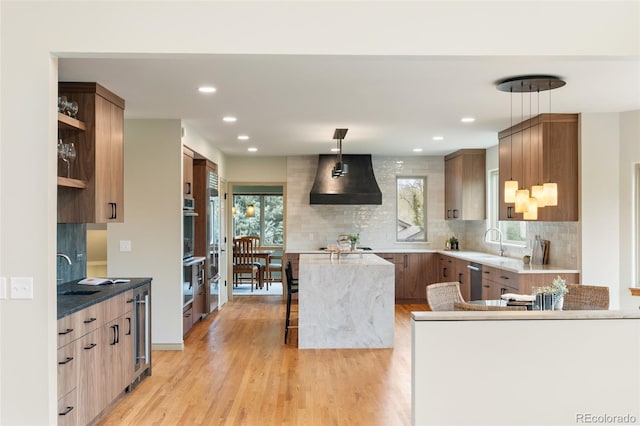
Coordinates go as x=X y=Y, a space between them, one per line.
x=354 y=239
x=551 y=297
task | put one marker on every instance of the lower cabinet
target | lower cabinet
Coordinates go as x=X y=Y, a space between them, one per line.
x=95 y=368
x=187 y=319
x=414 y=271
x=453 y=269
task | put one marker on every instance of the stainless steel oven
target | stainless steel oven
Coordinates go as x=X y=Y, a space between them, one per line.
x=192 y=278
x=188 y=227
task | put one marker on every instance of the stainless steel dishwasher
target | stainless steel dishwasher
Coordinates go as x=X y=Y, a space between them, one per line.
x=476 y=280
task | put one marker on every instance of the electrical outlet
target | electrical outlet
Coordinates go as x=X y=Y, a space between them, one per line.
x=125 y=245
x=22 y=287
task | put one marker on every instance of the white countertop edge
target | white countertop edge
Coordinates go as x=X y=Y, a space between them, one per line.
x=521 y=315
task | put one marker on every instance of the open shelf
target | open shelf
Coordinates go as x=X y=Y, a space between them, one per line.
x=71 y=183
x=64 y=121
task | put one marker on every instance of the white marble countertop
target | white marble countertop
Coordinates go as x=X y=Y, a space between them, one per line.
x=521 y=315
x=487 y=259
x=345 y=258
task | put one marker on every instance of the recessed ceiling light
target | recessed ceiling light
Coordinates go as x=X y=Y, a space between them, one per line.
x=399 y=162
x=335 y=149
x=229 y=119
x=437 y=138
x=243 y=137
x=206 y=89
x=417 y=149
x=468 y=119
x=252 y=149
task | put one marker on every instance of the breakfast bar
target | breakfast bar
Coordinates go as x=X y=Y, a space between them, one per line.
x=345 y=301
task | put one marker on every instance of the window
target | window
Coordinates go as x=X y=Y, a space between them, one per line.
x=411 y=204
x=267 y=222
x=513 y=232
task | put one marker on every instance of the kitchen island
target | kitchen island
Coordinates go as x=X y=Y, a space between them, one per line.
x=346 y=301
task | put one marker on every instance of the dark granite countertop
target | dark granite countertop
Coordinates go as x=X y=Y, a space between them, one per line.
x=68 y=304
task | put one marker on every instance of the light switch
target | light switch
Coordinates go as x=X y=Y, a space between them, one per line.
x=125 y=245
x=22 y=287
x=3 y=288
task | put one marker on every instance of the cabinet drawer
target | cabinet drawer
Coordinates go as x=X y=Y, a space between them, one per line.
x=68 y=409
x=117 y=306
x=504 y=279
x=67 y=368
x=78 y=324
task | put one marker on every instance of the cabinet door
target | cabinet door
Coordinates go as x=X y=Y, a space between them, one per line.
x=464 y=278
x=68 y=409
x=187 y=173
x=446 y=272
x=416 y=277
x=117 y=341
x=109 y=168
x=91 y=376
x=453 y=187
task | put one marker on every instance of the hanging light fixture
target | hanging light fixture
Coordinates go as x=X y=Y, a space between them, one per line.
x=537 y=191
x=522 y=194
x=510 y=186
x=340 y=168
x=547 y=193
x=251 y=211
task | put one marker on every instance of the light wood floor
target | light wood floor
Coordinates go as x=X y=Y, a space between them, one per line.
x=235 y=370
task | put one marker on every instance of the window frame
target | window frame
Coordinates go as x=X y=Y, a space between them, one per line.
x=424 y=215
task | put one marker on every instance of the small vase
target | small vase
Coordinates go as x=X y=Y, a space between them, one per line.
x=559 y=302
x=353 y=246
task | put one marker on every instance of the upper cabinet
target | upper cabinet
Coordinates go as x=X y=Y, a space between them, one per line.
x=93 y=192
x=187 y=172
x=464 y=185
x=540 y=150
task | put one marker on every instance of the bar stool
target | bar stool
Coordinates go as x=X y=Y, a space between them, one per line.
x=292 y=287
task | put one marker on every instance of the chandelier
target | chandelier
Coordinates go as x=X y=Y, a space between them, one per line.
x=542 y=193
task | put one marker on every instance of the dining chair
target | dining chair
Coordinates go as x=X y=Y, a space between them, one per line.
x=292 y=287
x=464 y=306
x=586 y=297
x=244 y=262
x=274 y=265
x=442 y=296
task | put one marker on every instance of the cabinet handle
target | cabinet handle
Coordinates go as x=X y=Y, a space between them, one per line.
x=129 y=322
x=485 y=272
x=455 y=213
x=448 y=214
x=113 y=210
x=66 y=411
x=131 y=300
x=66 y=361
x=503 y=290
x=460 y=277
x=90 y=320
x=67 y=331
x=504 y=277
x=187 y=315
x=509 y=215
x=485 y=286
x=405 y=260
x=188 y=187
x=444 y=272
x=91 y=346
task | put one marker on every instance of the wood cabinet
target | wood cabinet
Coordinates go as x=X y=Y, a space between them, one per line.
x=95 y=194
x=464 y=185
x=454 y=269
x=540 y=150
x=96 y=349
x=187 y=172
x=413 y=271
x=496 y=282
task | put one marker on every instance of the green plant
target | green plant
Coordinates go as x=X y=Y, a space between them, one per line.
x=354 y=238
x=558 y=287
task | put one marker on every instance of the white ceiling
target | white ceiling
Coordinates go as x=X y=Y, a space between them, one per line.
x=291 y=104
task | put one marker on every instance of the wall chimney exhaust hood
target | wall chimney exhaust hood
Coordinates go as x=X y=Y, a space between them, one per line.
x=358 y=186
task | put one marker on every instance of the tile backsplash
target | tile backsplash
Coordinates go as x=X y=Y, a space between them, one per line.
x=72 y=241
x=312 y=226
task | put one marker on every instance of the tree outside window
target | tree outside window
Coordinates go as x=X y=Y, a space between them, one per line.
x=267 y=222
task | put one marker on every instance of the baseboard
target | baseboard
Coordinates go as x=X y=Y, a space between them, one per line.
x=167 y=346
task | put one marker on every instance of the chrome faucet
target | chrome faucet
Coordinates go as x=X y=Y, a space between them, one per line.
x=499 y=238
x=65 y=257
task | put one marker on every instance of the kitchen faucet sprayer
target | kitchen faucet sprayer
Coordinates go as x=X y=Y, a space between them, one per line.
x=65 y=257
x=499 y=238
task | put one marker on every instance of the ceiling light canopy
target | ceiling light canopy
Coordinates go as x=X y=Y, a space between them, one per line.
x=340 y=168
x=252 y=149
x=437 y=138
x=467 y=119
x=243 y=137
x=229 y=119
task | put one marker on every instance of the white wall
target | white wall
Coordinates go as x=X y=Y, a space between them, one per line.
x=153 y=222
x=31 y=31
x=629 y=157
x=600 y=202
x=257 y=169
x=204 y=148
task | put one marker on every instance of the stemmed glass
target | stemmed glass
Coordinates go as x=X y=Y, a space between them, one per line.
x=71 y=155
x=62 y=152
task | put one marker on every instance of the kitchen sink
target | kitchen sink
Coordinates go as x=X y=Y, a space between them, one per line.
x=77 y=292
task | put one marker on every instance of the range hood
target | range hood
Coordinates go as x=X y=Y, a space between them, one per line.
x=358 y=186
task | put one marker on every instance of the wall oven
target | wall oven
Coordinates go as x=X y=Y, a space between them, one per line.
x=188 y=227
x=192 y=278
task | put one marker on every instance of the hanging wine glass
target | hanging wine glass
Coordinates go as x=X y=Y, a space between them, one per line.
x=71 y=155
x=62 y=152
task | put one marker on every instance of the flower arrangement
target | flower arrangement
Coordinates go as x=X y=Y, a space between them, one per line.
x=354 y=238
x=558 y=288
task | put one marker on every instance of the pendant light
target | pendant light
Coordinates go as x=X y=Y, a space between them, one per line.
x=510 y=186
x=251 y=211
x=532 y=202
x=537 y=191
x=522 y=194
x=547 y=193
